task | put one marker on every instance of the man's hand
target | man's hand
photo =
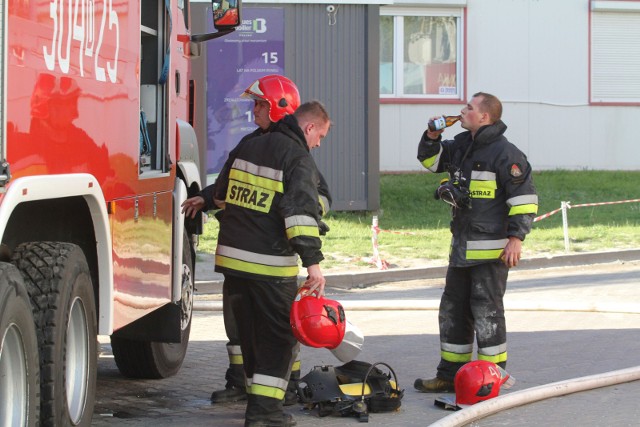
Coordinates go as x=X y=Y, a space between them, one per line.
x=434 y=135
x=323 y=228
x=219 y=203
x=512 y=251
x=315 y=280
x=191 y=206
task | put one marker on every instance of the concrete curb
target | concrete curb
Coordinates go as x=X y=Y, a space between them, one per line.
x=367 y=278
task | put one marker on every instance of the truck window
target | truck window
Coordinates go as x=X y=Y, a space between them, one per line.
x=154 y=26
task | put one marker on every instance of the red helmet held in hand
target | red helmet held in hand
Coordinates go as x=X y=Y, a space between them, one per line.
x=317 y=321
x=480 y=380
x=280 y=92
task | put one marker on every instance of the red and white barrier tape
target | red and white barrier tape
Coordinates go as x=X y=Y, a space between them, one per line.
x=375 y=259
x=383 y=265
x=605 y=203
x=406 y=233
x=548 y=214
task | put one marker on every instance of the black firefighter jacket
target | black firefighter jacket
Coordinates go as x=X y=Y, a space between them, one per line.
x=219 y=189
x=498 y=177
x=271 y=206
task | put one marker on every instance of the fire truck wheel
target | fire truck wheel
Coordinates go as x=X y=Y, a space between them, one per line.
x=59 y=285
x=19 y=367
x=151 y=359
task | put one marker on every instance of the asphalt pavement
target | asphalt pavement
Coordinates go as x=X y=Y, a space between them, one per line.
x=570 y=317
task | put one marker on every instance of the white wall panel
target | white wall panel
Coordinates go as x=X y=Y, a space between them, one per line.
x=533 y=55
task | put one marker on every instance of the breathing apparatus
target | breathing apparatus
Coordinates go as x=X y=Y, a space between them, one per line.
x=455 y=189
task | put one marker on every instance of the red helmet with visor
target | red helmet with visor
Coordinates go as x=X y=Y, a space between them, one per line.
x=317 y=321
x=480 y=380
x=280 y=92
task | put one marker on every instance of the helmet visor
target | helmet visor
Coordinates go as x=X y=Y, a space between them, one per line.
x=253 y=91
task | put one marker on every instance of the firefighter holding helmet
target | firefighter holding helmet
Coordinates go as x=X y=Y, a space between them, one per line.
x=493 y=203
x=270 y=222
x=274 y=97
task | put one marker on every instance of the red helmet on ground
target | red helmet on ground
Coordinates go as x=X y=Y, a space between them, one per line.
x=280 y=92
x=317 y=321
x=480 y=380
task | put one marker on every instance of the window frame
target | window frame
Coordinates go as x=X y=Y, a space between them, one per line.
x=599 y=7
x=398 y=13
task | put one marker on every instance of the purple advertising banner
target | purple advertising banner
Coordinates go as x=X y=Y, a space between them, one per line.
x=234 y=61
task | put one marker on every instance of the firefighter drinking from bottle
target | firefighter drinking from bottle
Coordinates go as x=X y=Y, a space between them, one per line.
x=493 y=203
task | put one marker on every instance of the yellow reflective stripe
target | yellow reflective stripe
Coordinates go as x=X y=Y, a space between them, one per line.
x=256 y=258
x=258 y=170
x=432 y=162
x=455 y=357
x=502 y=357
x=236 y=359
x=493 y=350
x=235 y=354
x=266 y=385
x=296 y=366
x=523 y=209
x=271 y=381
x=484 y=254
x=522 y=205
x=302 y=231
x=250 y=267
x=294 y=220
x=485 y=249
x=482 y=189
x=259 y=181
x=428 y=163
x=525 y=199
x=267 y=391
x=301 y=225
x=249 y=196
x=324 y=203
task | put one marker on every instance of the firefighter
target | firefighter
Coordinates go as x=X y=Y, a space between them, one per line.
x=493 y=202
x=268 y=94
x=270 y=220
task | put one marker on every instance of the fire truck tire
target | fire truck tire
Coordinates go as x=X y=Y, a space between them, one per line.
x=19 y=365
x=154 y=360
x=59 y=284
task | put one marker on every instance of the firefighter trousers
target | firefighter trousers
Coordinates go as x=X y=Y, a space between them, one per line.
x=235 y=371
x=261 y=309
x=472 y=305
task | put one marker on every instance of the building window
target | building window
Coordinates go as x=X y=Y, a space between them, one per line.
x=615 y=53
x=421 y=53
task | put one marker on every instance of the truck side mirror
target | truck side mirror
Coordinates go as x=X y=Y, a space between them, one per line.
x=226 y=14
x=226 y=17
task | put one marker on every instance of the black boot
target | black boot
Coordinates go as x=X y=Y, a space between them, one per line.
x=266 y=412
x=284 y=420
x=234 y=390
x=230 y=393
x=291 y=395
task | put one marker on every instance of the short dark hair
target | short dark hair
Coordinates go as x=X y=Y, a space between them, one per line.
x=311 y=111
x=490 y=104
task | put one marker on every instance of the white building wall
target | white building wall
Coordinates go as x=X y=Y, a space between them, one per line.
x=533 y=55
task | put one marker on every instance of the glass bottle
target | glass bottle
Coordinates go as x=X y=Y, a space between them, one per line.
x=442 y=122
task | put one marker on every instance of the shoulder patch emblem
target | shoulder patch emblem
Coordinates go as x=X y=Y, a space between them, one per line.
x=515 y=170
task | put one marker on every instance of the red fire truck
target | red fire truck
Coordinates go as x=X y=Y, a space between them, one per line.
x=97 y=153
